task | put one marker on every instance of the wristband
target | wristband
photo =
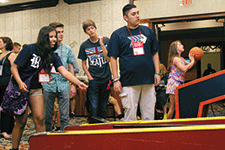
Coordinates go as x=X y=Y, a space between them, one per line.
x=117 y=79
x=157 y=73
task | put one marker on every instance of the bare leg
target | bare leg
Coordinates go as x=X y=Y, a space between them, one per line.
x=172 y=106
x=116 y=105
x=54 y=117
x=165 y=111
x=37 y=108
x=58 y=119
x=18 y=130
x=29 y=111
x=72 y=105
x=165 y=108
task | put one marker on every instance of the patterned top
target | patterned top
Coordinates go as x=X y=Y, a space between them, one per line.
x=177 y=74
x=58 y=82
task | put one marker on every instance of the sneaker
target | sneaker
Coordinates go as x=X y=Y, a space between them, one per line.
x=96 y=120
x=53 y=128
x=165 y=117
x=120 y=116
x=72 y=115
x=56 y=129
x=5 y=135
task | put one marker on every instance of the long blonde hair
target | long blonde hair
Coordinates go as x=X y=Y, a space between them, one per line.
x=172 y=53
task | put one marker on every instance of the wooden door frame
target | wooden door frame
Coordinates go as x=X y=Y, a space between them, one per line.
x=208 y=16
x=154 y=22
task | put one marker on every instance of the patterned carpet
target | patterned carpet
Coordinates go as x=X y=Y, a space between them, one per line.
x=6 y=144
x=218 y=110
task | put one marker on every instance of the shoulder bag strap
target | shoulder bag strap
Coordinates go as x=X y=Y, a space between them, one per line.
x=6 y=56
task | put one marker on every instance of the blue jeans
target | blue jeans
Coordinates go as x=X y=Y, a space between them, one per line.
x=97 y=98
x=63 y=101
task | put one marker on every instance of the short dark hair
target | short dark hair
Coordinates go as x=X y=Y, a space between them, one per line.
x=56 y=24
x=88 y=23
x=24 y=45
x=16 y=44
x=127 y=8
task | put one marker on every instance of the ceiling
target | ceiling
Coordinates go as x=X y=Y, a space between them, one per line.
x=18 y=5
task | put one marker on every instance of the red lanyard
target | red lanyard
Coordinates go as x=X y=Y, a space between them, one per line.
x=61 y=51
x=131 y=34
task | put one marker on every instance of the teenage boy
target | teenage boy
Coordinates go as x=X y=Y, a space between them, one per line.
x=98 y=73
x=16 y=48
x=137 y=48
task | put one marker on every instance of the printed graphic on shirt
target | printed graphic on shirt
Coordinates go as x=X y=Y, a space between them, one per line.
x=35 y=61
x=137 y=38
x=95 y=56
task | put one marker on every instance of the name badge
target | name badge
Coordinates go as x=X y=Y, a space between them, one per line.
x=44 y=77
x=1 y=68
x=138 y=48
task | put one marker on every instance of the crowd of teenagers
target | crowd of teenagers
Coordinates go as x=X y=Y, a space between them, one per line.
x=135 y=77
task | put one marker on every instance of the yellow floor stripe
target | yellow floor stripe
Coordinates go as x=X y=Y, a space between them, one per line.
x=135 y=130
x=159 y=121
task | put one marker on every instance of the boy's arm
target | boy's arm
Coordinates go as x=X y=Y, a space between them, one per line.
x=73 y=87
x=84 y=66
x=156 y=64
x=66 y=74
x=114 y=67
x=105 y=52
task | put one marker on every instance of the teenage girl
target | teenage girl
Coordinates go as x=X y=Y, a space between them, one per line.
x=32 y=57
x=177 y=67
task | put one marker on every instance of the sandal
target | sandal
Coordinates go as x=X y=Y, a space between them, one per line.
x=5 y=135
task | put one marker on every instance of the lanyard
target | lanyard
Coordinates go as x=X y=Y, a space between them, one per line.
x=131 y=34
x=61 y=50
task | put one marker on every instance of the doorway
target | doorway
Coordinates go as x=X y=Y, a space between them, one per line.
x=202 y=37
x=190 y=37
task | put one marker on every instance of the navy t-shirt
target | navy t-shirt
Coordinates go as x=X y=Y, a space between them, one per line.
x=29 y=61
x=98 y=65
x=139 y=69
